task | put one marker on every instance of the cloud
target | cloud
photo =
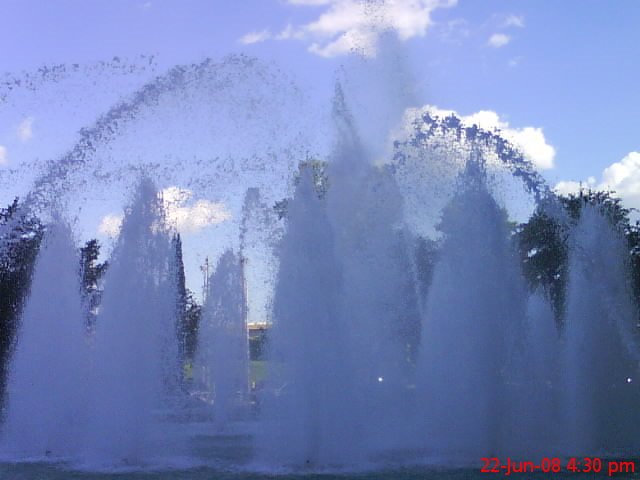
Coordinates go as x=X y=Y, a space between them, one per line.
x=190 y=217
x=569 y=186
x=25 y=129
x=454 y=31
x=181 y=213
x=345 y=26
x=622 y=177
x=515 y=61
x=498 y=40
x=530 y=140
x=533 y=144
x=288 y=33
x=255 y=37
x=4 y=160
x=110 y=225
x=514 y=21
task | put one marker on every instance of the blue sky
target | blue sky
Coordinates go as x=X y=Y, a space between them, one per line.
x=567 y=67
x=560 y=77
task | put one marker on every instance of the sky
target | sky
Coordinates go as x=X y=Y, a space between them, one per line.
x=559 y=78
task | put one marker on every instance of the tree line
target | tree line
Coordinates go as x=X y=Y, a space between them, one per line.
x=542 y=243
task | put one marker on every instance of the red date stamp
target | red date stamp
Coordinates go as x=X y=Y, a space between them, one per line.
x=592 y=465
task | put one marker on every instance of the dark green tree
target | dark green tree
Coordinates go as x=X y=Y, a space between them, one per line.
x=542 y=243
x=20 y=237
x=605 y=201
x=91 y=272
x=187 y=309
x=191 y=324
x=426 y=255
x=181 y=292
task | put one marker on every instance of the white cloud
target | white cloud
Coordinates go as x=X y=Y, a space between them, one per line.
x=110 y=225
x=498 y=40
x=530 y=140
x=180 y=213
x=255 y=37
x=288 y=33
x=25 y=129
x=454 y=30
x=622 y=177
x=515 y=61
x=4 y=160
x=514 y=21
x=190 y=218
x=569 y=186
x=533 y=144
x=345 y=26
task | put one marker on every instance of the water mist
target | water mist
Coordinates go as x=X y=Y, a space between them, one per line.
x=47 y=378
x=600 y=381
x=475 y=311
x=310 y=417
x=222 y=345
x=135 y=363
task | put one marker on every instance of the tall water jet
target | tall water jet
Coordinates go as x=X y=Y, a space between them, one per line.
x=223 y=342
x=474 y=313
x=47 y=378
x=365 y=209
x=136 y=355
x=533 y=379
x=600 y=374
x=310 y=417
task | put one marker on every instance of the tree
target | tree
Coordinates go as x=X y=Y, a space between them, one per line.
x=91 y=272
x=543 y=243
x=191 y=324
x=187 y=309
x=20 y=236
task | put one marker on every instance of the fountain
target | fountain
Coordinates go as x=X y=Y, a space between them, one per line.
x=312 y=414
x=402 y=332
x=600 y=355
x=474 y=316
x=50 y=359
x=223 y=350
x=135 y=359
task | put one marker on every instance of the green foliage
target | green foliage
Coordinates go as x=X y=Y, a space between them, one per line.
x=610 y=206
x=191 y=323
x=542 y=243
x=188 y=311
x=20 y=237
x=91 y=272
x=544 y=248
x=426 y=256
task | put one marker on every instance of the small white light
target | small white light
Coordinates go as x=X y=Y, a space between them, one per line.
x=380 y=379
x=628 y=379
